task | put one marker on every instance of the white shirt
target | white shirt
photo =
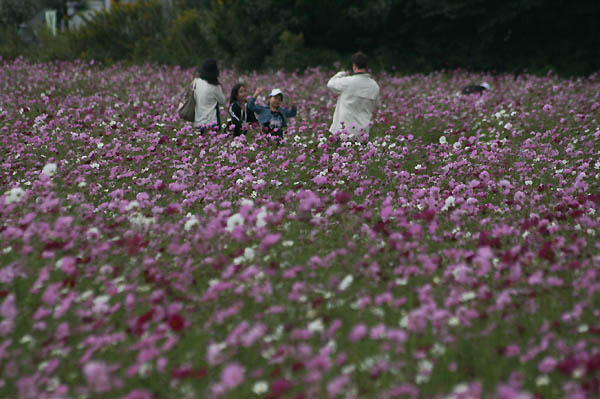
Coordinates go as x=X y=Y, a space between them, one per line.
x=207 y=96
x=357 y=101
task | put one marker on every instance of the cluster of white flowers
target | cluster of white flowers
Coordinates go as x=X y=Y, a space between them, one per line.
x=500 y=114
x=424 y=371
x=249 y=254
x=140 y=220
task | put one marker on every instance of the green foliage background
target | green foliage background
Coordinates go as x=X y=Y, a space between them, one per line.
x=406 y=35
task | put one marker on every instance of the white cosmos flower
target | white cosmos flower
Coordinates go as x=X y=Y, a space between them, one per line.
x=49 y=169
x=249 y=253
x=191 y=222
x=542 y=380
x=140 y=220
x=260 y=387
x=260 y=218
x=346 y=282
x=448 y=203
x=316 y=326
x=234 y=220
x=467 y=296
x=443 y=140
x=247 y=202
x=13 y=195
x=131 y=205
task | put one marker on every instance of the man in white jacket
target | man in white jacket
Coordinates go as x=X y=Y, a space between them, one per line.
x=358 y=94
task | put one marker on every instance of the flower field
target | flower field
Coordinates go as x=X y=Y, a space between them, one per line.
x=452 y=254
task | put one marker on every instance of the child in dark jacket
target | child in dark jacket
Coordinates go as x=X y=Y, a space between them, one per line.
x=240 y=116
x=273 y=118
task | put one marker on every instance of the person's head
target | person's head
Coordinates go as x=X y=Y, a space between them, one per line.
x=209 y=71
x=359 y=62
x=238 y=93
x=275 y=98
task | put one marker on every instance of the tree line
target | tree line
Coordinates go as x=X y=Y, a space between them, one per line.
x=404 y=35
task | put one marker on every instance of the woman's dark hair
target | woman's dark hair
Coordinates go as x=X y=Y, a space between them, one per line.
x=235 y=90
x=209 y=71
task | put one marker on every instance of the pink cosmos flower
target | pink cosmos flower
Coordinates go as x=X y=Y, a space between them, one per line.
x=8 y=310
x=97 y=376
x=232 y=375
x=67 y=265
x=341 y=197
x=358 y=332
x=320 y=180
x=337 y=385
x=509 y=392
x=177 y=187
x=279 y=387
x=269 y=240
x=519 y=197
x=504 y=186
x=52 y=293
x=176 y=322
x=138 y=394
x=547 y=364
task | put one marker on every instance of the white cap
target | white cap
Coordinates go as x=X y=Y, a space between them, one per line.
x=276 y=92
x=486 y=85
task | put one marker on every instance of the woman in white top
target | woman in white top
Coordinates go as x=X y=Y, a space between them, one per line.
x=209 y=95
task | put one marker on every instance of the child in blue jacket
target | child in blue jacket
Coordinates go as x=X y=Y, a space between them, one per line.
x=273 y=117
